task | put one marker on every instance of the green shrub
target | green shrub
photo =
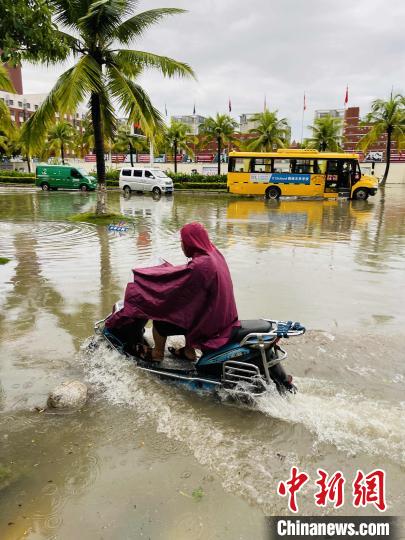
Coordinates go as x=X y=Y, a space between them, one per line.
x=17 y=179
x=198 y=178
x=15 y=174
x=200 y=185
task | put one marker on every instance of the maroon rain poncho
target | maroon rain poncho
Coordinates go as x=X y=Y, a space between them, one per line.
x=197 y=296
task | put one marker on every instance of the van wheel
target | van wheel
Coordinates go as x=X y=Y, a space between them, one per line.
x=83 y=187
x=273 y=192
x=156 y=191
x=45 y=186
x=127 y=190
x=360 y=194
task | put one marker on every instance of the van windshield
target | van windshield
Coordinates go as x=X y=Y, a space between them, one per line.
x=83 y=172
x=159 y=174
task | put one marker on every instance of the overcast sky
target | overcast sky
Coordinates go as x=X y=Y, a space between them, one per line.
x=244 y=50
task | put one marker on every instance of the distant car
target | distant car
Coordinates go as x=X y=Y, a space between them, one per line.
x=139 y=179
x=53 y=177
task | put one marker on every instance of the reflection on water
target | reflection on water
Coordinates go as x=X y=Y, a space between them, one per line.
x=337 y=266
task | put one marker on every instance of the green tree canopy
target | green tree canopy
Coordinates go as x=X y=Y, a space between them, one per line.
x=385 y=118
x=178 y=137
x=60 y=137
x=326 y=134
x=104 y=72
x=270 y=132
x=221 y=129
x=5 y=118
x=27 y=32
x=127 y=141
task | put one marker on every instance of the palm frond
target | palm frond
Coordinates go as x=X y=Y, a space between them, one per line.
x=69 y=91
x=135 y=26
x=133 y=61
x=134 y=101
x=5 y=82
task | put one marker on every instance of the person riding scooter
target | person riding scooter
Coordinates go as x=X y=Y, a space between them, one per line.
x=194 y=299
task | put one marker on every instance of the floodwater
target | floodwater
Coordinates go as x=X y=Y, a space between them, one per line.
x=147 y=460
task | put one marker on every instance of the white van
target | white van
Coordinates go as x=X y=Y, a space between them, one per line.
x=138 y=179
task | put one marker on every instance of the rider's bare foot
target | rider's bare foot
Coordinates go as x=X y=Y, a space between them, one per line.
x=184 y=353
x=149 y=354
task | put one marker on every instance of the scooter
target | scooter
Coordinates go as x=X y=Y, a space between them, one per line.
x=248 y=365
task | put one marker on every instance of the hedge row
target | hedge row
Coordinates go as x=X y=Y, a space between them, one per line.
x=15 y=174
x=17 y=179
x=200 y=185
x=199 y=178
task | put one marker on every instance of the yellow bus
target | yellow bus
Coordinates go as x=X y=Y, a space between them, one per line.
x=299 y=173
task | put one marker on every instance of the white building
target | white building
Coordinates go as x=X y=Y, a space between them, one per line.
x=191 y=120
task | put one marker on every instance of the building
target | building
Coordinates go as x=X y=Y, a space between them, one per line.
x=193 y=121
x=354 y=130
x=246 y=122
x=335 y=113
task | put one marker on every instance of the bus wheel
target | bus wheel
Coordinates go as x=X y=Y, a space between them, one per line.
x=83 y=187
x=45 y=186
x=360 y=194
x=273 y=192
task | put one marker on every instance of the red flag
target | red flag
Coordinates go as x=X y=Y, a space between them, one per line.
x=347 y=96
x=305 y=102
x=229 y=105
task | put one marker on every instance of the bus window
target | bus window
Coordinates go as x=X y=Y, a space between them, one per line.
x=261 y=165
x=239 y=164
x=281 y=165
x=320 y=166
x=302 y=166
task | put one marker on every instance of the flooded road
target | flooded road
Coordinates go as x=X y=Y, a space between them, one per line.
x=144 y=459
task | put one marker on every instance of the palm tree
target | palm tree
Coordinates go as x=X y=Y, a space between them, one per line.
x=222 y=129
x=104 y=72
x=326 y=134
x=85 y=137
x=270 y=132
x=127 y=141
x=386 y=117
x=61 y=135
x=177 y=137
x=7 y=86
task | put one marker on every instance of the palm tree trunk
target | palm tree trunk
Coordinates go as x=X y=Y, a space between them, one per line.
x=29 y=163
x=175 y=156
x=219 y=154
x=62 y=153
x=101 y=207
x=388 y=154
x=131 y=150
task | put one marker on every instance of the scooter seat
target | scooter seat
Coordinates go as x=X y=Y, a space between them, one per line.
x=248 y=327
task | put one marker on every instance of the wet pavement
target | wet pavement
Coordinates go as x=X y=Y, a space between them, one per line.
x=144 y=459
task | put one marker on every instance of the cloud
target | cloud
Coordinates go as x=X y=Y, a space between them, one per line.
x=245 y=50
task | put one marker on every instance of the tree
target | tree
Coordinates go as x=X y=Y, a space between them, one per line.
x=104 y=72
x=27 y=32
x=222 y=129
x=85 y=137
x=270 y=132
x=177 y=137
x=326 y=134
x=61 y=135
x=386 y=117
x=5 y=118
x=127 y=141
